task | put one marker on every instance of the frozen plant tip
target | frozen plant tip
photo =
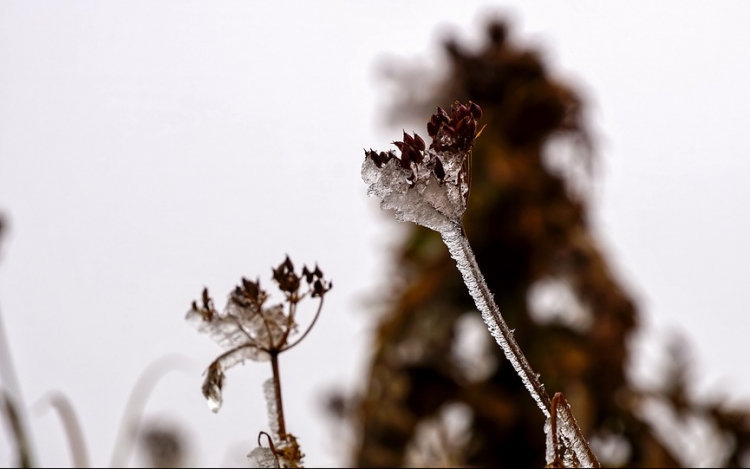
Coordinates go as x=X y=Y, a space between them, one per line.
x=427 y=185
x=249 y=328
x=430 y=186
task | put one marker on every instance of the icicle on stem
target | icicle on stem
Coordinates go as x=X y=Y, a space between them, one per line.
x=460 y=250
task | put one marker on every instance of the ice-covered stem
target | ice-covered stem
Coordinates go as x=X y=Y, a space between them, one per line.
x=430 y=186
x=566 y=446
x=281 y=425
x=460 y=250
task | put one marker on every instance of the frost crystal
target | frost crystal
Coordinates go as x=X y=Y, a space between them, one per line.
x=263 y=457
x=417 y=195
x=269 y=392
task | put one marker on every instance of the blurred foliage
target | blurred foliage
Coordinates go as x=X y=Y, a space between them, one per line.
x=529 y=227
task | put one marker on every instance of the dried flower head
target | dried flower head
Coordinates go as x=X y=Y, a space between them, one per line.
x=250 y=329
x=427 y=185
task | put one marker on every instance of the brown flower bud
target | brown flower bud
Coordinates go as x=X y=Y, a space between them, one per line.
x=460 y=111
x=476 y=111
x=408 y=140
x=419 y=142
x=432 y=129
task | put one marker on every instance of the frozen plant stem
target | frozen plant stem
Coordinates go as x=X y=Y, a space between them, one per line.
x=429 y=185
x=566 y=446
x=277 y=395
x=460 y=250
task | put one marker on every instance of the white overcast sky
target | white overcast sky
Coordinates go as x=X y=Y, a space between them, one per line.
x=148 y=149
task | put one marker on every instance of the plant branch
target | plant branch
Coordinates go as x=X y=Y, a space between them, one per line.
x=309 y=328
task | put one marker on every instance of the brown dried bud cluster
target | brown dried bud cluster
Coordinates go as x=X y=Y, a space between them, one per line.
x=285 y=277
x=206 y=310
x=289 y=282
x=249 y=294
x=454 y=132
x=315 y=279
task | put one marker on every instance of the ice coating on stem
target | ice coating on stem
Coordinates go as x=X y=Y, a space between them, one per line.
x=565 y=442
x=550 y=443
x=269 y=392
x=461 y=252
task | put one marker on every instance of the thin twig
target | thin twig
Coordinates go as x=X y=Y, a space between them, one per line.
x=309 y=328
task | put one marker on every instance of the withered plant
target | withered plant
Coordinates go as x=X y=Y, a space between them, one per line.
x=249 y=328
x=430 y=186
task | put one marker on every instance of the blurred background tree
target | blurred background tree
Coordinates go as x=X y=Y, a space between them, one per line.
x=438 y=391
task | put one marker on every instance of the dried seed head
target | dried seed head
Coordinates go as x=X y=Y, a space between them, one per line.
x=206 y=310
x=428 y=185
x=285 y=277
x=457 y=131
x=248 y=294
x=319 y=286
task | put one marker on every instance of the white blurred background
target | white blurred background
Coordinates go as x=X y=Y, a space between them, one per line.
x=149 y=149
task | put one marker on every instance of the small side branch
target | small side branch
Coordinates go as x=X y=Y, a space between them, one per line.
x=309 y=328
